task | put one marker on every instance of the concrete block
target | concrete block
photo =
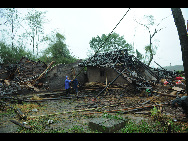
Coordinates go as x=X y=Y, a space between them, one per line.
x=106 y=125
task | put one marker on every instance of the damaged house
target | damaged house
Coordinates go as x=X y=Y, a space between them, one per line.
x=104 y=67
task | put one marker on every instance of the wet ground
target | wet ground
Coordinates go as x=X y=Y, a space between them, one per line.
x=72 y=115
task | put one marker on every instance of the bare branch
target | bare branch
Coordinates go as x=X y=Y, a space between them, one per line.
x=163 y=19
x=141 y=24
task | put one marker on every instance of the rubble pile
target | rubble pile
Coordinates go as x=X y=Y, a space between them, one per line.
x=19 y=77
x=135 y=73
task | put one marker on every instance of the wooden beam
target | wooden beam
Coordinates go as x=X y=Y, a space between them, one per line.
x=33 y=83
x=21 y=124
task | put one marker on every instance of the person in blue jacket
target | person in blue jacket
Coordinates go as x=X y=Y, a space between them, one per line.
x=75 y=85
x=67 y=85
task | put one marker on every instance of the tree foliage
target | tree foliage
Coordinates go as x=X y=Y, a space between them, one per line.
x=11 y=55
x=57 y=51
x=11 y=21
x=139 y=56
x=114 y=42
x=35 y=20
x=150 y=49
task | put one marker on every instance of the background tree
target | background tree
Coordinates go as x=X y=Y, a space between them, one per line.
x=114 y=42
x=11 y=19
x=139 y=56
x=150 y=49
x=57 y=50
x=11 y=55
x=180 y=24
x=35 y=19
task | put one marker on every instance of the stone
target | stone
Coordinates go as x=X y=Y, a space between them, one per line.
x=106 y=125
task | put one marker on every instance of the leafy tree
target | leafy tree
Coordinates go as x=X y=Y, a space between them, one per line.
x=57 y=50
x=150 y=49
x=104 y=44
x=35 y=20
x=11 y=19
x=11 y=55
x=139 y=56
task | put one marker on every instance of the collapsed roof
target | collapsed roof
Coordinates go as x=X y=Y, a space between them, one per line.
x=117 y=59
x=106 y=59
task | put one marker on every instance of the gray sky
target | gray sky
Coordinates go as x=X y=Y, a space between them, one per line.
x=79 y=25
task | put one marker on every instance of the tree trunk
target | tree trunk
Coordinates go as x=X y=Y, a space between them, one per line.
x=180 y=24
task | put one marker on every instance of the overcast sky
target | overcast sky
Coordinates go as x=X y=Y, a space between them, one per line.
x=79 y=25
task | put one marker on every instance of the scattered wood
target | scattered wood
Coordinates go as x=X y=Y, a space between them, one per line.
x=31 y=86
x=43 y=72
x=173 y=93
x=21 y=114
x=7 y=82
x=143 y=112
x=162 y=94
x=21 y=124
x=177 y=89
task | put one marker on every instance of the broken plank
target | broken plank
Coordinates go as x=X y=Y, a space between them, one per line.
x=177 y=89
x=161 y=94
x=51 y=98
x=43 y=72
x=143 y=112
x=36 y=89
x=29 y=100
x=21 y=114
x=173 y=93
x=21 y=124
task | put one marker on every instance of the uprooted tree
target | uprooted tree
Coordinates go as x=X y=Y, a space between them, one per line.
x=180 y=24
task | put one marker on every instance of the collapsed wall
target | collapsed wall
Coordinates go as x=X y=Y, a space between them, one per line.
x=28 y=76
x=56 y=77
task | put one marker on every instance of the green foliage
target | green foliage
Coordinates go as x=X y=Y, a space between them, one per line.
x=139 y=56
x=10 y=52
x=114 y=42
x=35 y=20
x=154 y=112
x=11 y=55
x=132 y=127
x=57 y=51
x=150 y=52
x=150 y=19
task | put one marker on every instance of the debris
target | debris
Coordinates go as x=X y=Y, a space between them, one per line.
x=23 y=76
x=36 y=98
x=166 y=82
x=21 y=114
x=34 y=110
x=178 y=82
x=179 y=78
x=7 y=82
x=173 y=93
x=21 y=124
x=50 y=121
x=177 y=89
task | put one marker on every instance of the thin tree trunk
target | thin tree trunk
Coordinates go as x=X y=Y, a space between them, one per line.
x=180 y=24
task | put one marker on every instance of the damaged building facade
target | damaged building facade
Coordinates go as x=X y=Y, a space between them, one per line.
x=56 y=76
x=104 y=67
x=28 y=75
